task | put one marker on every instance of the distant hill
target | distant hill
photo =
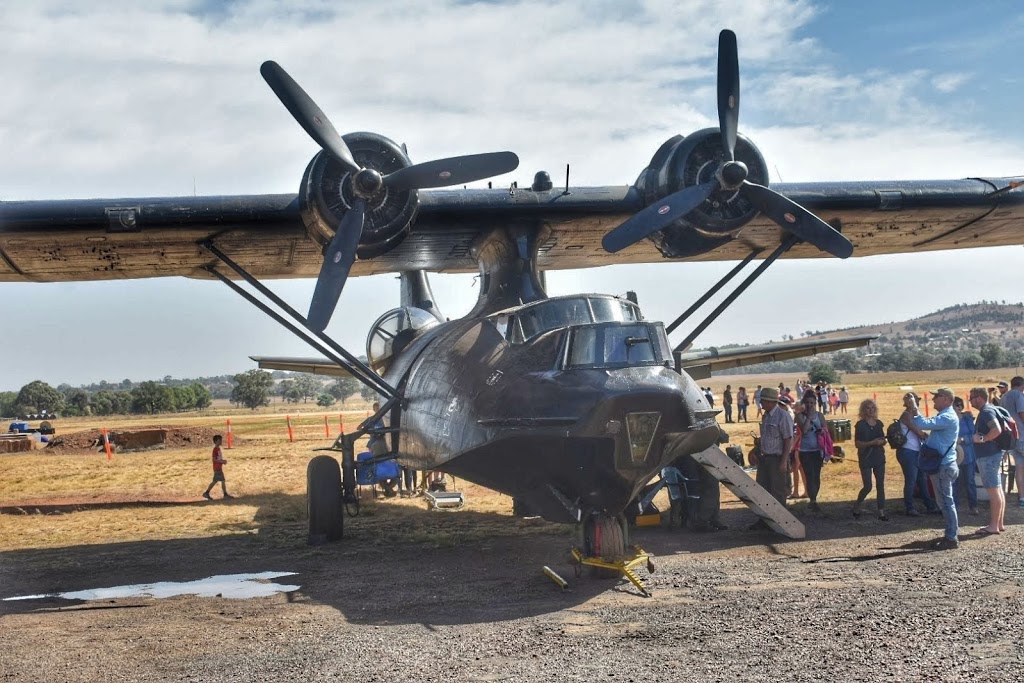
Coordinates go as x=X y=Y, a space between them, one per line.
x=964 y=336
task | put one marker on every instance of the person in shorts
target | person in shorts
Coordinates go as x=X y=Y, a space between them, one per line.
x=989 y=458
x=1013 y=402
x=218 y=470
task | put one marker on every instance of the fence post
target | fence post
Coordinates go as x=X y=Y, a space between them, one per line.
x=327 y=428
x=341 y=423
x=230 y=441
x=291 y=434
x=925 y=401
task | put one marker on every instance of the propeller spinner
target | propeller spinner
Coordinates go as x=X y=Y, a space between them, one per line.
x=731 y=176
x=340 y=253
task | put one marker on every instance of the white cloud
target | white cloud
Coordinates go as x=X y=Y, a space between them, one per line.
x=947 y=83
x=116 y=100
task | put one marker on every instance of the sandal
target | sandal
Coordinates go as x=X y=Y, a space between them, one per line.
x=984 y=531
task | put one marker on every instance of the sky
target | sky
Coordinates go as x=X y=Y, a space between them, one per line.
x=165 y=99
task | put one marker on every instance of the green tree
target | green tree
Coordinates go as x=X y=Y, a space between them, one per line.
x=76 y=402
x=972 y=361
x=184 y=398
x=325 y=400
x=202 y=394
x=308 y=385
x=38 y=396
x=7 y=400
x=821 y=371
x=344 y=387
x=151 y=398
x=252 y=389
x=992 y=355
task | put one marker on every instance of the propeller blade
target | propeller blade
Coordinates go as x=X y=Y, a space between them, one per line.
x=794 y=218
x=338 y=260
x=728 y=91
x=310 y=117
x=452 y=171
x=657 y=216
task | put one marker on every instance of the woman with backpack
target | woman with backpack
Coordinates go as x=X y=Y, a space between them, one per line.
x=809 y=423
x=988 y=451
x=907 y=439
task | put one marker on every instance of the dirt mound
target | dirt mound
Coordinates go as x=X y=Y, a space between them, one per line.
x=141 y=438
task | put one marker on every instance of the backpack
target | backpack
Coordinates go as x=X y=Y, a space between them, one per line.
x=1007 y=429
x=895 y=435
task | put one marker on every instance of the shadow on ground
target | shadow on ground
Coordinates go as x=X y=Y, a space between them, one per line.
x=401 y=564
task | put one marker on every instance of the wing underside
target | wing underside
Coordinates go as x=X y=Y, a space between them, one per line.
x=69 y=240
x=700 y=364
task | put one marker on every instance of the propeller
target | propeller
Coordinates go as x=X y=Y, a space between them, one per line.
x=731 y=176
x=340 y=253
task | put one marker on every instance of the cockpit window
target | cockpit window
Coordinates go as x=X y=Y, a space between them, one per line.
x=536 y=319
x=618 y=345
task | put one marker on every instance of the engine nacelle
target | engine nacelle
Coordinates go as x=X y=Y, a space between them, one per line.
x=684 y=161
x=326 y=194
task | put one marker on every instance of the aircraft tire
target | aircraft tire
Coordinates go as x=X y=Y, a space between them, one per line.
x=324 y=503
x=612 y=545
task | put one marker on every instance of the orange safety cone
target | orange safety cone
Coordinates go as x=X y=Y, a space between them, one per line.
x=327 y=428
x=341 y=423
x=106 y=445
x=291 y=434
x=230 y=441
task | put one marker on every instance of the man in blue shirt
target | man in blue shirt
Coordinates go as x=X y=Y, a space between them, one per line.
x=944 y=429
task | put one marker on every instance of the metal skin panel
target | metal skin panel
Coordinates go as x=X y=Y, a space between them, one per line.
x=68 y=240
x=501 y=415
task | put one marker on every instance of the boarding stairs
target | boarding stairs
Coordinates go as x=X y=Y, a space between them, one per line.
x=760 y=502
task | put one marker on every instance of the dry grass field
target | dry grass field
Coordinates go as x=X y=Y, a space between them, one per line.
x=154 y=495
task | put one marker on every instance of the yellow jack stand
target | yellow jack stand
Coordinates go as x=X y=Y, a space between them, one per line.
x=626 y=566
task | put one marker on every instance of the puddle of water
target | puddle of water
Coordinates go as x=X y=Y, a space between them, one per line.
x=234 y=586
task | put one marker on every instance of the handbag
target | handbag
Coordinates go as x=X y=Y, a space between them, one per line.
x=930 y=460
x=825 y=444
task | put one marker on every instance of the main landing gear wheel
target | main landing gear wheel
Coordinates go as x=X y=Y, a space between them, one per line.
x=605 y=537
x=324 y=500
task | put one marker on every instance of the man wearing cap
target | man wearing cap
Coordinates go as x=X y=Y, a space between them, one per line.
x=776 y=443
x=1013 y=402
x=944 y=429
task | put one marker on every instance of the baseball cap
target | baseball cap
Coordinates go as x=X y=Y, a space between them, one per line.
x=1003 y=385
x=785 y=400
x=944 y=391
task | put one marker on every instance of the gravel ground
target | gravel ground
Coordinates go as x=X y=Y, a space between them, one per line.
x=860 y=600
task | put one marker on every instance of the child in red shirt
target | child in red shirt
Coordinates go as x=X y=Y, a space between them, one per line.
x=218 y=469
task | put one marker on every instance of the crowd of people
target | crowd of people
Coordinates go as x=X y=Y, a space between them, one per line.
x=829 y=400
x=939 y=455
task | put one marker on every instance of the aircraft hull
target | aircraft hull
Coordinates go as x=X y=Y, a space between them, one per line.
x=504 y=418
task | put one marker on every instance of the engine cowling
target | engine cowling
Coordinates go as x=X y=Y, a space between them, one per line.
x=686 y=161
x=326 y=194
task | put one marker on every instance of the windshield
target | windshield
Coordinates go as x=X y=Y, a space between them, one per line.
x=618 y=345
x=556 y=313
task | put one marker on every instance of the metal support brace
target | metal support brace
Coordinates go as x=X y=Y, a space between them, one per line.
x=359 y=370
x=711 y=292
x=779 y=251
x=626 y=566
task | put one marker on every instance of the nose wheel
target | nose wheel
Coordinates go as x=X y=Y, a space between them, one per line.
x=603 y=548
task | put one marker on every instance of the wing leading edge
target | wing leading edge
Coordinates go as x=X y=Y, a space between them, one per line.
x=97 y=239
x=700 y=364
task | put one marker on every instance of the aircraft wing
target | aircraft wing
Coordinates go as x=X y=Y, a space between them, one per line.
x=700 y=364
x=106 y=239
x=315 y=366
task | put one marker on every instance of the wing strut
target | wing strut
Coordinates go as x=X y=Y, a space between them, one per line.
x=358 y=369
x=712 y=291
x=786 y=245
